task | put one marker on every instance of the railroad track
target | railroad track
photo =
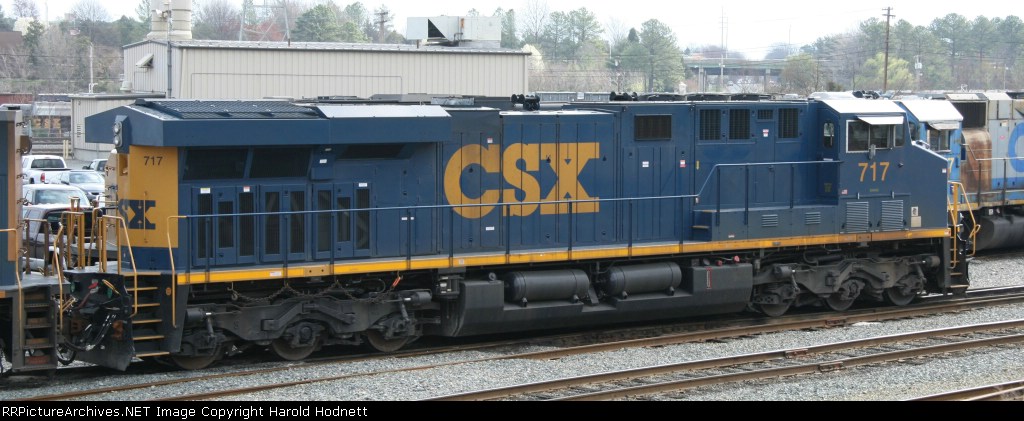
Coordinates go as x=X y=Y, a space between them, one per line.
x=673 y=378
x=654 y=336
x=1009 y=391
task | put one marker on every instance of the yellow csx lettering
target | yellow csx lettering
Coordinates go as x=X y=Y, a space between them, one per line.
x=566 y=159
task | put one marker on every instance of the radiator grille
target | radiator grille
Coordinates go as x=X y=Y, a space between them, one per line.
x=892 y=215
x=857 y=217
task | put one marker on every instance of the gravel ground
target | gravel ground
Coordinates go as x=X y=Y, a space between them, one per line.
x=896 y=381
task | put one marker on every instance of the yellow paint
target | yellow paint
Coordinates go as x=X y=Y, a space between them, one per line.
x=486 y=158
x=875 y=168
x=399 y=265
x=519 y=164
x=529 y=155
x=149 y=174
x=13 y=191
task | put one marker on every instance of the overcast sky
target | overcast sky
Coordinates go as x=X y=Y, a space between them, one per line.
x=751 y=26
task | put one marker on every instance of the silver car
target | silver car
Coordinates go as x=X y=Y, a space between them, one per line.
x=89 y=181
x=38 y=194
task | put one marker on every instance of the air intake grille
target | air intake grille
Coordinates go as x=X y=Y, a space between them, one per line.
x=812 y=218
x=770 y=220
x=857 y=217
x=892 y=215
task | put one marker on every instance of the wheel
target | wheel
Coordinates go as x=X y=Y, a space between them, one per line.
x=842 y=299
x=286 y=351
x=195 y=362
x=378 y=342
x=837 y=302
x=899 y=296
x=65 y=354
x=774 y=310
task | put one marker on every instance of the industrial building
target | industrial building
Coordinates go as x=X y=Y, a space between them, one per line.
x=170 y=64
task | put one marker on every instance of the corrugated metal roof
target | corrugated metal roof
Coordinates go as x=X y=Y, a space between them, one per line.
x=331 y=46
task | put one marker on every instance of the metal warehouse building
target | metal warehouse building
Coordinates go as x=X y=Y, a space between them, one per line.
x=253 y=70
x=169 y=63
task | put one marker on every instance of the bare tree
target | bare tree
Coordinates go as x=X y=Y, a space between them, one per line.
x=617 y=30
x=216 y=19
x=26 y=9
x=534 y=20
x=14 y=69
x=90 y=10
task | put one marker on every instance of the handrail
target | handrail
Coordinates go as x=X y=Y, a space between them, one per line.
x=174 y=274
x=408 y=211
x=954 y=215
x=131 y=257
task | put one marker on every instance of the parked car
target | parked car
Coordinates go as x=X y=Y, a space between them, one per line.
x=97 y=165
x=36 y=168
x=42 y=194
x=89 y=181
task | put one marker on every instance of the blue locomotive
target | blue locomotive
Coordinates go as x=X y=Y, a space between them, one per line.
x=294 y=226
x=979 y=134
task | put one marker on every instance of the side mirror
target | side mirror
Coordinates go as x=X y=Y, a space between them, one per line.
x=85 y=167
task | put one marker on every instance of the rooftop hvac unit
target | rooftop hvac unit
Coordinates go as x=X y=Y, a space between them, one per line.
x=473 y=31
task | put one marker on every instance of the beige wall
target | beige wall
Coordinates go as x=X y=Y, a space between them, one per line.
x=236 y=73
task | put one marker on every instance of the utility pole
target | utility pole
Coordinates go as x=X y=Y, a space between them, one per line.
x=383 y=17
x=721 y=58
x=885 y=79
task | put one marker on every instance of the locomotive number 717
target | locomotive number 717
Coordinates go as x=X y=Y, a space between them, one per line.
x=875 y=167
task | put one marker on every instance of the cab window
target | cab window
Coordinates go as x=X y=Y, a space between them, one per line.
x=938 y=140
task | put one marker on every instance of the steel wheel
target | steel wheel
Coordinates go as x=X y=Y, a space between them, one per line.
x=378 y=342
x=775 y=310
x=286 y=351
x=899 y=296
x=195 y=362
x=837 y=302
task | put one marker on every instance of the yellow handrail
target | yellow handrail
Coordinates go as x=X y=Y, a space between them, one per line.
x=174 y=273
x=954 y=215
x=131 y=258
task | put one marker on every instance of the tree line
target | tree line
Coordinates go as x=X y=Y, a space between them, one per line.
x=572 y=50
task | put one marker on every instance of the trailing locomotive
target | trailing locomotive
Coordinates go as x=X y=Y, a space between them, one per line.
x=297 y=226
x=979 y=134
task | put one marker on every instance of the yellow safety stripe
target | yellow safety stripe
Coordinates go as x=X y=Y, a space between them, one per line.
x=399 y=265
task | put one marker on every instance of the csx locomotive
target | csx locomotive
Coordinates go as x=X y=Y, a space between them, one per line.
x=294 y=226
x=980 y=134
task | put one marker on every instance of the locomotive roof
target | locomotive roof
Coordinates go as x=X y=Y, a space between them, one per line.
x=932 y=111
x=863 y=106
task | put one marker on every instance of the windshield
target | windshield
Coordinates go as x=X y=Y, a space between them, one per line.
x=47 y=163
x=85 y=177
x=62 y=196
